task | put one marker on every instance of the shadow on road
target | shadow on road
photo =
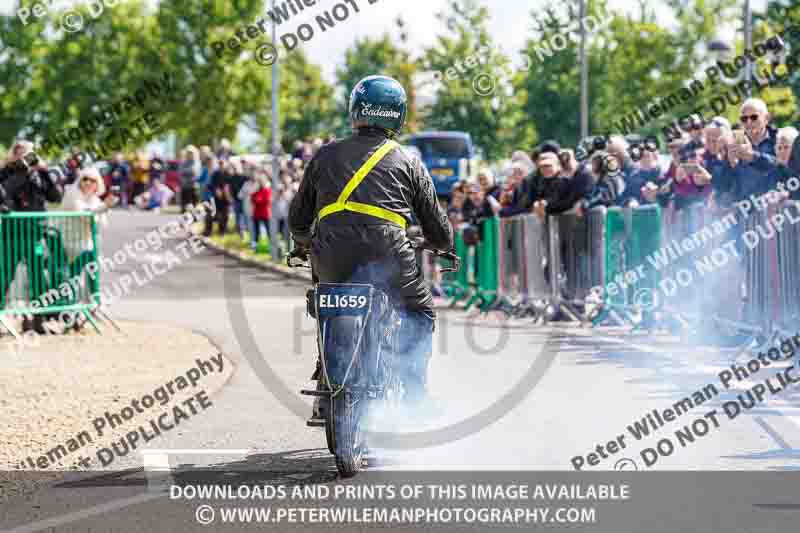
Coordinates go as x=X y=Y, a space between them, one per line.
x=297 y=467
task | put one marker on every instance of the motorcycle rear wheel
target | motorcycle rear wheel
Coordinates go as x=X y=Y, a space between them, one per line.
x=343 y=432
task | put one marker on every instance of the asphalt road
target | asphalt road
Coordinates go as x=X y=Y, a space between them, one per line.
x=597 y=382
x=508 y=396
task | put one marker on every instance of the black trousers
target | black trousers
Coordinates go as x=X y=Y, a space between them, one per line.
x=221 y=218
x=188 y=196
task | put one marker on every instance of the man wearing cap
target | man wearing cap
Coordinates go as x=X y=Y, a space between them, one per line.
x=526 y=193
x=554 y=193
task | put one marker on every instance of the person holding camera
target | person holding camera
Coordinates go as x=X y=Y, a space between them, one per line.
x=25 y=186
x=608 y=183
x=554 y=192
x=754 y=148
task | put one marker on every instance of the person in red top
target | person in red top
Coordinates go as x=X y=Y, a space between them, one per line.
x=262 y=210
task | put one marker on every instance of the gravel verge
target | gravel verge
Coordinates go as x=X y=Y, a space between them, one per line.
x=53 y=387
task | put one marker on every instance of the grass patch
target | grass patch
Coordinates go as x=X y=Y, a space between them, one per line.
x=234 y=243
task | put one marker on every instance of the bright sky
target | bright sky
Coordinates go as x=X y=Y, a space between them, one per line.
x=510 y=21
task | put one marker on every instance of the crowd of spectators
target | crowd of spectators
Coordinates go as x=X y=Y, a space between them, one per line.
x=240 y=187
x=712 y=163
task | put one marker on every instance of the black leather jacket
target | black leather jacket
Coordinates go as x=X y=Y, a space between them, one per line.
x=352 y=247
x=26 y=190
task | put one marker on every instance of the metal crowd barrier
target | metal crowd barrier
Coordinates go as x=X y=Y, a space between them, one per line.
x=578 y=246
x=789 y=260
x=486 y=264
x=633 y=235
x=691 y=233
x=526 y=267
x=458 y=286
x=43 y=260
x=522 y=252
x=772 y=283
x=602 y=248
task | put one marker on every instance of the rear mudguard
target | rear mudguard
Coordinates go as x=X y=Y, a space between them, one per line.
x=341 y=336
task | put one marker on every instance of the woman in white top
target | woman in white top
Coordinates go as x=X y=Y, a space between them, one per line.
x=84 y=195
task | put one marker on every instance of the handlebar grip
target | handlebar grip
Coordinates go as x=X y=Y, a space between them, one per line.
x=452 y=256
x=294 y=260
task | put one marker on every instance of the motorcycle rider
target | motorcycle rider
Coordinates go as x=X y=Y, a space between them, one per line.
x=355 y=201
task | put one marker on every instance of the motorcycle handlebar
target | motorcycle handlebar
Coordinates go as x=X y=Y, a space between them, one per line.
x=452 y=256
x=419 y=243
x=298 y=258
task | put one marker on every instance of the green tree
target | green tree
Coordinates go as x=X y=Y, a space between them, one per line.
x=782 y=100
x=633 y=62
x=473 y=92
x=308 y=107
x=53 y=79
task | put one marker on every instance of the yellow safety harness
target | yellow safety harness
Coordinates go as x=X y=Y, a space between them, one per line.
x=343 y=204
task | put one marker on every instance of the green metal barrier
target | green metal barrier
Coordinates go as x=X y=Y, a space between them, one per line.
x=618 y=229
x=645 y=240
x=487 y=277
x=43 y=260
x=457 y=284
x=632 y=235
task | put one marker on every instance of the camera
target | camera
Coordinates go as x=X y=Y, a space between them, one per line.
x=775 y=44
x=31 y=159
x=651 y=144
x=599 y=143
x=589 y=146
x=25 y=163
x=636 y=151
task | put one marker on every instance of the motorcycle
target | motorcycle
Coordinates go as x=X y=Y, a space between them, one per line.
x=357 y=339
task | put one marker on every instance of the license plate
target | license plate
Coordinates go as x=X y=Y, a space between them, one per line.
x=344 y=299
x=442 y=172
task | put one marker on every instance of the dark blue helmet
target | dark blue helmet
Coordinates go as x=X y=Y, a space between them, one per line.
x=378 y=102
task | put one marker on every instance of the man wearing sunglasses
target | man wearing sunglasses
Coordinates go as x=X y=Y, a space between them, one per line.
x=756 y=154
x=760 y=149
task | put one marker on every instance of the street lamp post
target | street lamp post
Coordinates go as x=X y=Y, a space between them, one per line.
x=276 y=149
x=748 y=44
x=584 y=75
